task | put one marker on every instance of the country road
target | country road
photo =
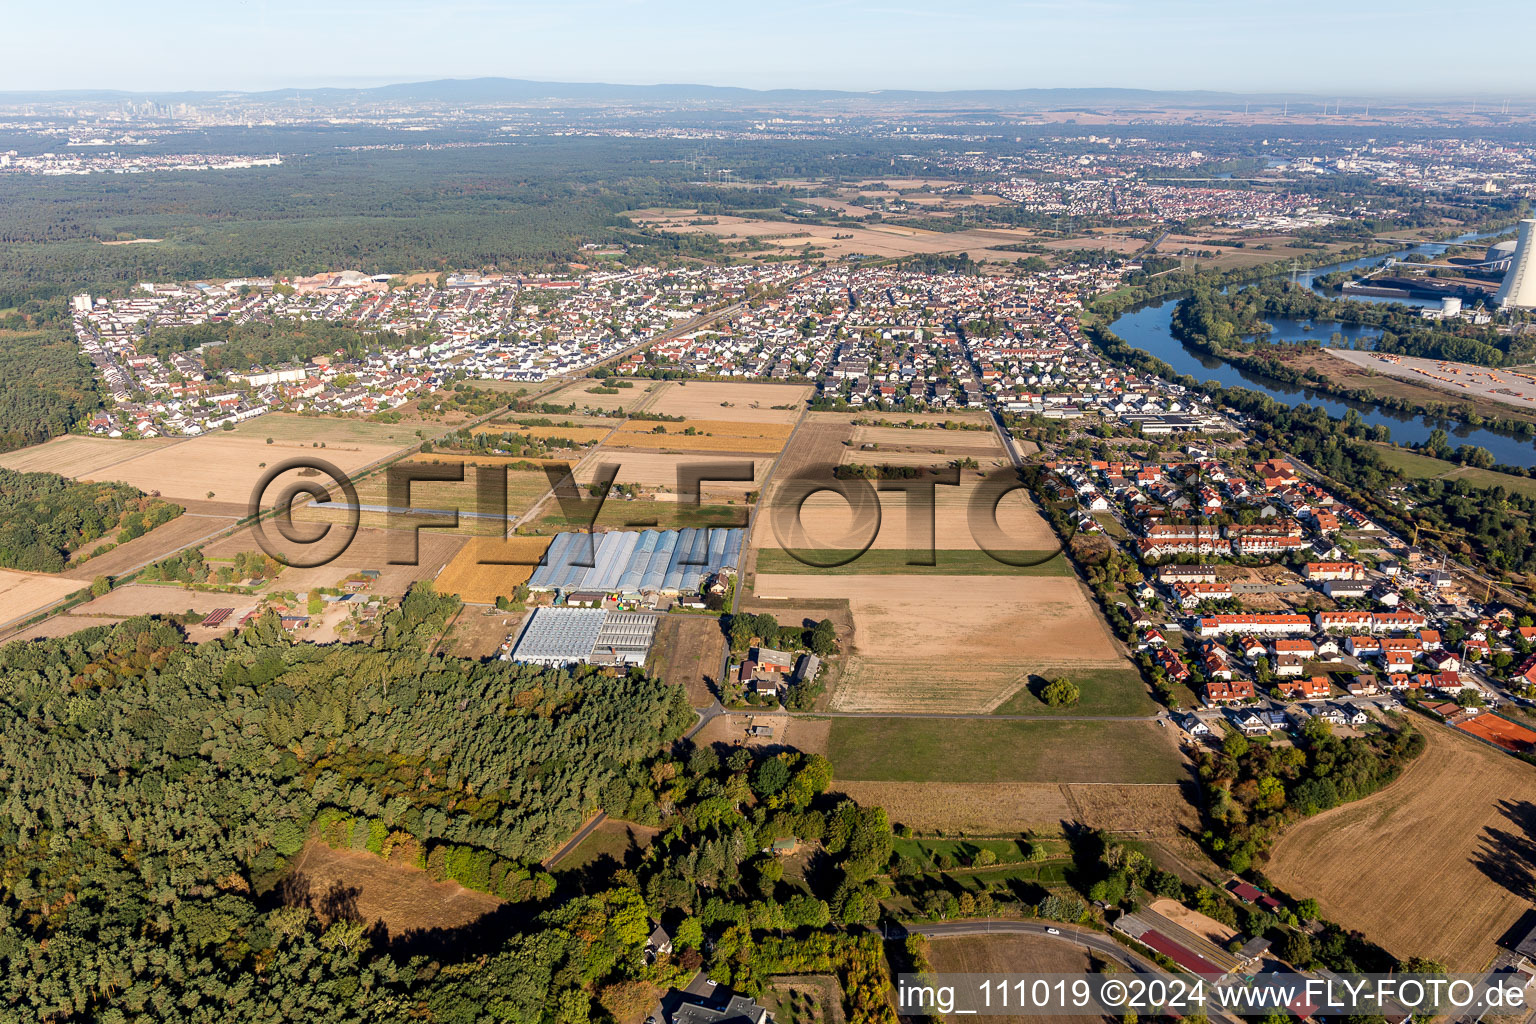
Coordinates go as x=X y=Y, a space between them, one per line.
x=1071 y=934
x=957 y=716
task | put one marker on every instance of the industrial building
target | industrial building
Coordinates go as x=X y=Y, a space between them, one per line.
x=1519 y=287
x=557 y=637
x=648 y=563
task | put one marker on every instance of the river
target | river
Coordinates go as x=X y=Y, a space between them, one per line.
x=1148 y=328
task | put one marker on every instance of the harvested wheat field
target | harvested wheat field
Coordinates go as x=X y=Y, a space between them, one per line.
x=746 y=403
x=1001 y=955
x=957 y=441
x=955 y=643
x=656 y=473
x=1457 y=830
x=827 y=521
x=157 y=543
x=75 y=456
x=227 y=464
x=479 y=574
x=708 y=435
x=356 y=885
x=22 y=593
x=997 y=808
x=579 y=434
x=58 y=625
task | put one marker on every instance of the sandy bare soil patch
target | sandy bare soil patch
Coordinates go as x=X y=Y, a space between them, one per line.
x=745 y=403
x=1463 y=380
x=1457 y=830
x=997 y=808
x=22 y=593
x=955 y=643
x=480 y=632
x=356 y=885
x=808 y=735
x=1194 y=921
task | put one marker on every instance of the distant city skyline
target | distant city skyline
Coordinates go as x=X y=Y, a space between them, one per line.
x=1414 y=48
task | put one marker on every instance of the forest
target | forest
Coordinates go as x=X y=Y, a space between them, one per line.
x=527 y=203
x=1219 y=322
x=236 y=347
x=45 y=517
x=1253 y=790
x=156 y=791
x=46 y=386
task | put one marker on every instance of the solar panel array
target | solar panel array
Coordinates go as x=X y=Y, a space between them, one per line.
x=627 y=562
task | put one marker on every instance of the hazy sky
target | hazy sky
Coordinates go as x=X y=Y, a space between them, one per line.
x=1439 y=49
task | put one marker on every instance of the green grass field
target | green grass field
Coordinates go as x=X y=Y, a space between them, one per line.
x=982 y=750
x=896 y=563
x=1104 y=692
x=339 y=430
x=1424 y=467
x=962 y=851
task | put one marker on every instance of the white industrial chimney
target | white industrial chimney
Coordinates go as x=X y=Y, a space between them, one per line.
x=1519 y=287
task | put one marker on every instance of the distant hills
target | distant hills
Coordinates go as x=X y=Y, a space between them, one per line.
x=482 y=91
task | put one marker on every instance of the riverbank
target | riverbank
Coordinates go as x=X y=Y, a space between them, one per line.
x=1385 y=402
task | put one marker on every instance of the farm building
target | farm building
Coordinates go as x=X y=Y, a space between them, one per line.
x=635 y=564
x=590 y=636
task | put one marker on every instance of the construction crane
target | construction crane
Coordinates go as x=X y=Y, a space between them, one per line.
x=1445 y=556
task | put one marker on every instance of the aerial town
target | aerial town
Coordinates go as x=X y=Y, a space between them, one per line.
x=859 y=542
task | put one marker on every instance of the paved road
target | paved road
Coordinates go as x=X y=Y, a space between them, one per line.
x=1007 y=440
x=962 y=717
x=575 y=840
x=1071 y=934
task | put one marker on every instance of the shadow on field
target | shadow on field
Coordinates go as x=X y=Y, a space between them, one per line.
x=1508 y=857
